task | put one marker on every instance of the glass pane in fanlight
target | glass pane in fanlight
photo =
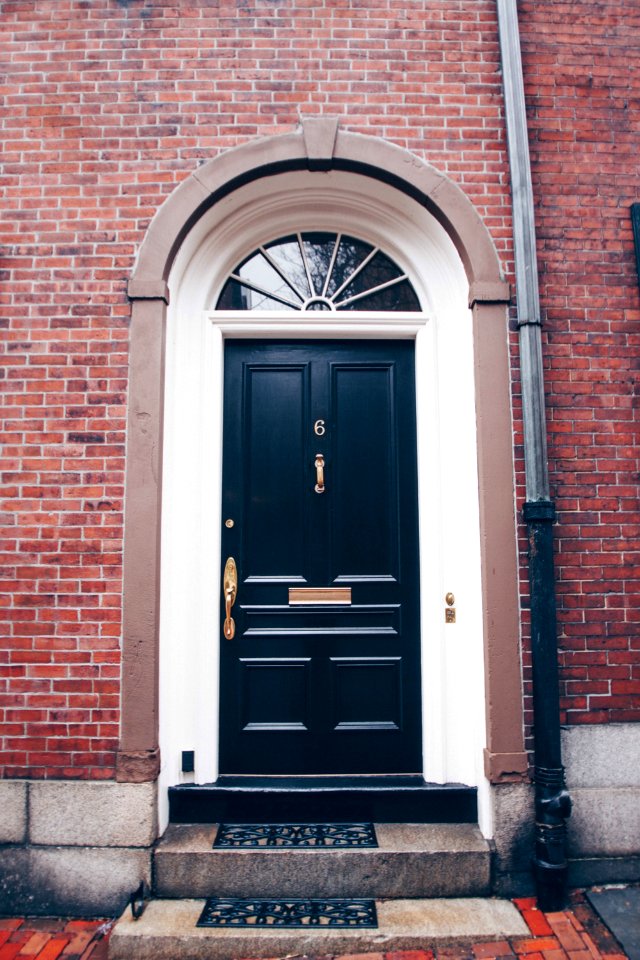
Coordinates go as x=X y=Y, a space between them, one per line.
x=400 y=296
x=380 y=269
x=287 y=255
x=318 y=248
x=260 y=272
x=260 y=301
x=351 y=253
x=235 y=296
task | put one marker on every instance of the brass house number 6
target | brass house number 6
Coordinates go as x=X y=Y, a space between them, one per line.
x=319 y=428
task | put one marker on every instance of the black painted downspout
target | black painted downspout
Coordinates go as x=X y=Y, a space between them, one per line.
x=552 y=802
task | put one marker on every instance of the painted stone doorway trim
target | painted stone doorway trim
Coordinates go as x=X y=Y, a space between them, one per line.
x=318 y=145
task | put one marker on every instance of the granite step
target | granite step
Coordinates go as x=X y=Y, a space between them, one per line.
x=385 y=799
x=167 y=931
x=411 y=860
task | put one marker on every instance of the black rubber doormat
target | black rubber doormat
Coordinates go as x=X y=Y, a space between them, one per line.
x=334 y=835
x=227 y=912
x=619 y=908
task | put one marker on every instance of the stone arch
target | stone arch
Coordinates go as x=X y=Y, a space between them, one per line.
x=318 y=146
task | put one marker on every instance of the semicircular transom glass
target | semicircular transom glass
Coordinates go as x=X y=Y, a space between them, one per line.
x=317 y=270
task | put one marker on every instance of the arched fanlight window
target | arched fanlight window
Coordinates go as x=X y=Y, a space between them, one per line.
x=318 y=271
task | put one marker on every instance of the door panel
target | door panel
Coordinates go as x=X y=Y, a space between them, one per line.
x=275 y=401
x=275 y=694
x=365 y=463
x=316 y=684
x=368 y=693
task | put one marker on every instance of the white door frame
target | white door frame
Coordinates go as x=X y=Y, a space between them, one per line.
x=452 y=655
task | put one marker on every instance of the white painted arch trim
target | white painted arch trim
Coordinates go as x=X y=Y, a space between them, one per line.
x=452 y=656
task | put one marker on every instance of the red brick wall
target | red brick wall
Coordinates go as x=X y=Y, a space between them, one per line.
x=110 y=104
x=582 y=72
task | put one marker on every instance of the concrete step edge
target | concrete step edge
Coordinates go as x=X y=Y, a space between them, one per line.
x=392 y=837
x=167 y=931
x=411 y=861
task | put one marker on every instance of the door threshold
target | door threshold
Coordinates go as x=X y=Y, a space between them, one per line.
x=380 y=799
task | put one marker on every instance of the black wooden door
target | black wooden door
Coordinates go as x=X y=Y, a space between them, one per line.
x=321 y=681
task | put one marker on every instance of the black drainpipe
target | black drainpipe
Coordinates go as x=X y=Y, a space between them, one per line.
x=552 y=801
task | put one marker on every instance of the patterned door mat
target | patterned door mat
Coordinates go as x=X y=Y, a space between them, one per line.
x=332 y=835
x=229 y=912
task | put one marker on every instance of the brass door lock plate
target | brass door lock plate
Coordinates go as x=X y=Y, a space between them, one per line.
x=450 y=610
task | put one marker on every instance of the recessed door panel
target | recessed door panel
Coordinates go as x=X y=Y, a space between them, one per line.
x=373 y=620
x=365 y=504
x=368 y=693
x=275 y=694
x=320 y=640
x=275 y=404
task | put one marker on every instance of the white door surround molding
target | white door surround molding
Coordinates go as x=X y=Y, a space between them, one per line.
x=426 y=224
x=452 y=655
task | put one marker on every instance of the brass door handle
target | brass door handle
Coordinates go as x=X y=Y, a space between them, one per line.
x=230 y=588
x=319 y=465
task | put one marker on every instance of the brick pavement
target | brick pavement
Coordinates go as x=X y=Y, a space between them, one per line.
x=47 y=938
x=573 y=934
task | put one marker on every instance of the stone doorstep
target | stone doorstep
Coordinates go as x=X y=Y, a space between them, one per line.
x=167 y=931
x=411 y=860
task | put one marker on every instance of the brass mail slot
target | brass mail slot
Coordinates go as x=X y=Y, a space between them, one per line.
x=298 y=595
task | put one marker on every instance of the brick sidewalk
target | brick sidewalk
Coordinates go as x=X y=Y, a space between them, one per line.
x=573 y=934
x=46 y=938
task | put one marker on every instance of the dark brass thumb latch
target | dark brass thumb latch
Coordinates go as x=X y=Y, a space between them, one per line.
x=230 y=588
